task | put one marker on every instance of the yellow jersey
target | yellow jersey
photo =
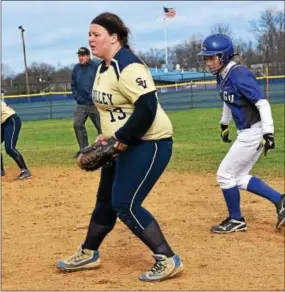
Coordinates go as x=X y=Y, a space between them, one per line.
x=6 y=112
x=117 y=87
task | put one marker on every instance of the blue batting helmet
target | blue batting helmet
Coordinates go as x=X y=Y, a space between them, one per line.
x=218 y=45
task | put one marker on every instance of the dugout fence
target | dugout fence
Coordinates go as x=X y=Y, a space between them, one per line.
x=189 y=95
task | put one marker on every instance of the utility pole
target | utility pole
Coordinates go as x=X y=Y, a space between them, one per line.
x=25 y=60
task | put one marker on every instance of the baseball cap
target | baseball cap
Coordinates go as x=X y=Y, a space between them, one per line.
x=83 y=51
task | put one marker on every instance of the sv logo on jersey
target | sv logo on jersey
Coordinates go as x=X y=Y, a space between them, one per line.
x=228 y=97
x=141 y=82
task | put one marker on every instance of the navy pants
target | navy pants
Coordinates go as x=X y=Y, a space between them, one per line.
x=10 y=130
x=125 y=184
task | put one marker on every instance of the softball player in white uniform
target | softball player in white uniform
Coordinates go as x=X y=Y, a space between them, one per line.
x=244 y=102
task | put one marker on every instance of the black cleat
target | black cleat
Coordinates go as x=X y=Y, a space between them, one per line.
x=2 y=172
x=76 y=154
x=280 y=209
x=25 y=174
x=230 y=225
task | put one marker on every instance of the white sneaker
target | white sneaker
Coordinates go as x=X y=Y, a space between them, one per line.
x=81 y=259
x=163 y=268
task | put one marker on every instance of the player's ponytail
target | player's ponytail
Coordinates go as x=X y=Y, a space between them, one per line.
x=114 y=24
x=125 y=40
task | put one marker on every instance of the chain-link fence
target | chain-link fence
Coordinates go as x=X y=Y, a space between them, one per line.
x=11 y=87
x=18 y=88
x=172 y=97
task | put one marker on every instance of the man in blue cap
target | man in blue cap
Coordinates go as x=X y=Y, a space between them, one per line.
x=83 y=75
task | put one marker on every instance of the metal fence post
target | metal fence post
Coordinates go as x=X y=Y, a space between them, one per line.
x=267 y=80
x=264 y=79
x=50 y=104
x=191 y=95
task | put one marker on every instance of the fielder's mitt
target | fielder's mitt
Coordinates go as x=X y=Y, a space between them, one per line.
x=100 y=153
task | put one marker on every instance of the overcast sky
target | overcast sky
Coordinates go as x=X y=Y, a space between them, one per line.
x=54 y=30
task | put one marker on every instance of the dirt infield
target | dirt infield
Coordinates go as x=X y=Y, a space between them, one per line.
x=45 y=219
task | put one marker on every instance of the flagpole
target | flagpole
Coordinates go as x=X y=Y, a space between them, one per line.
x=168 y=13
x=165 y=43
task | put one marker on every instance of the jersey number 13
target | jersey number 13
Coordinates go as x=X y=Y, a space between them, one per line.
x=117 y=114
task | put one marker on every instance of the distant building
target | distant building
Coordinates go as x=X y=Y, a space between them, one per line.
x=258 y=69
x=275 y=68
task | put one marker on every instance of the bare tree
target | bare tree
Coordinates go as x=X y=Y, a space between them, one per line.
x=153 y=57
x=270 y=36
x=7 y=75
x=246 y=52
x=61 y=80
x=186 y=52
x=40 y=76
x=223 y=28
x=267 y=46
x=6 y=71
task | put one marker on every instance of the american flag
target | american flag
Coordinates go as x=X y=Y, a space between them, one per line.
x=169 y=12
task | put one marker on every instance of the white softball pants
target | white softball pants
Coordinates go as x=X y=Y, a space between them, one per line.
x=236 y=165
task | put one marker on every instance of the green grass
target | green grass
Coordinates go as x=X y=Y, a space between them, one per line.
x=197 y=145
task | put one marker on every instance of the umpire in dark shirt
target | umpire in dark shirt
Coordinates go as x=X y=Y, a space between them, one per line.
x=83 y=75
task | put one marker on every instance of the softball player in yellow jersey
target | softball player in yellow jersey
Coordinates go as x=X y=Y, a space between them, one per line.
x=126 y=98
x=10 y=130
